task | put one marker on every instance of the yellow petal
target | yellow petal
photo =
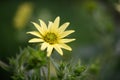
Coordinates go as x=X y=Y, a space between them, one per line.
x=50 y=25
x=49 y=50
x=43 y=25
x=56 y=22
x=66 y=47
x=38 y=28
x=54 y=26
x=63 y=27
x=66 y=40
x=66 y=33
x=58 y=49
x=35 y=33
x=44 y=46
x=35 y=40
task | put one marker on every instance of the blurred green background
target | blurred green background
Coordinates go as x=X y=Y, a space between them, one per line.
x=96 y=24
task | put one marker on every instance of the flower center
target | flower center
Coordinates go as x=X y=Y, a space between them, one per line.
x=51 y=38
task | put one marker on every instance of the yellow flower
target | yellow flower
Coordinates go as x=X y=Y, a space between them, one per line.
x=51 y=36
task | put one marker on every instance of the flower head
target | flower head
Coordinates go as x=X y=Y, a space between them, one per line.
x=52 y=36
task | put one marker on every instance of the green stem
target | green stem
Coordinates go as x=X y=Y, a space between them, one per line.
x=48 y=68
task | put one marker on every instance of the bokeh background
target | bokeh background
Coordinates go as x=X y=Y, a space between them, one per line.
x=96 y=22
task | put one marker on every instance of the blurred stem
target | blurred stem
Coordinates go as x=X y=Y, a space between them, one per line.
x=48 y=68
x=44 y=74
x=4 y=66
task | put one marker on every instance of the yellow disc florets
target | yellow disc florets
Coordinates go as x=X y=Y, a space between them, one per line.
x=51 y=38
